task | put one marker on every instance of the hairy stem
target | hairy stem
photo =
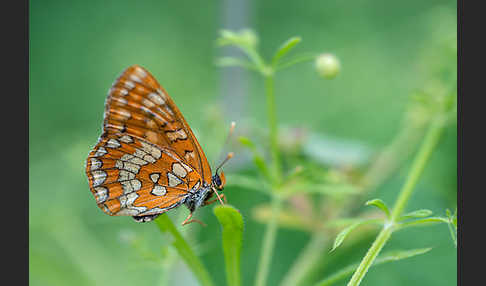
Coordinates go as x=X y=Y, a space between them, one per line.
x=426 y=149
x=370 y=256
x=430 y=142
x=268 y=243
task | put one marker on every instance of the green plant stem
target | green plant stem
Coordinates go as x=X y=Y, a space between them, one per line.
x=384 y=258
x=268 y=243
x=421 y=159
x=272 y=122
x=370 y=256
x=426 y=149
x=185 y=251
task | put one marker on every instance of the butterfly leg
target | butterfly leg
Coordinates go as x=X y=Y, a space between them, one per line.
x=219 y=197
x=188 y=221
x=215 y=200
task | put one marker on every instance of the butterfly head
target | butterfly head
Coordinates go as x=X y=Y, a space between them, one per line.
x=218 y=181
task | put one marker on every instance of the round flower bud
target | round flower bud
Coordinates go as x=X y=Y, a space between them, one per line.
x=327 y=66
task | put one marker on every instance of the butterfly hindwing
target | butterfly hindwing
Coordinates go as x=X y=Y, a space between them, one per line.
x=131 y=176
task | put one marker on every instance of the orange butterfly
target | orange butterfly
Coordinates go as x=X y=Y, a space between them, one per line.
x=147 y=160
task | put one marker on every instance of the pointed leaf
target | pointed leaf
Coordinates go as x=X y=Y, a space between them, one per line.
x=232 y=230
x=285 y=48
x=452 y=225
x=234 y=62
x=423 y=222
x=379 y=204
x=342 y=235
x=416 y=214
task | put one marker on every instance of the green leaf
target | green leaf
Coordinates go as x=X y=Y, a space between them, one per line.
x=244 y=38
x=422 y=222
x=246 y=142
x=342 y=235
x=285 y=48
x=452 y=225
x=452 y=217
x=379 y=204
x=234 y=62
x=383 y=258
x=184 y=249
x=416 y=214
x=232 y=228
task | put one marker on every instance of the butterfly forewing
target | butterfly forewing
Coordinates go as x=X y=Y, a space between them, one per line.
x=137 y=105
x=131 y=176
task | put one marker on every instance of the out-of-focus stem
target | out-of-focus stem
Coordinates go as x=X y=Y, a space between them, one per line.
x=268 y=243
x=272 y=124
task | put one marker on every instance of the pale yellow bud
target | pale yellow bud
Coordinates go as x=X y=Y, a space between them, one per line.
x=328 y=65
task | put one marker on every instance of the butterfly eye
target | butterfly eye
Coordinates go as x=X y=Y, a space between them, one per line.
x=222 y=181
x=219 y=181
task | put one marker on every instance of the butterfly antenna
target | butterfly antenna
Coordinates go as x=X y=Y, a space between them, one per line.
x=230 y=133
x=229 y=156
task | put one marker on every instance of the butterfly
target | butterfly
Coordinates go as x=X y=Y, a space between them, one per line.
x=147 y=160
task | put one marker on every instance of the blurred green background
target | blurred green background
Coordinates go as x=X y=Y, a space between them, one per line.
x=78 y=48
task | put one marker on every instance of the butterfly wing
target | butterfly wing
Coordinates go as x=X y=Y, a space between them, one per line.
x=139 y=106
x=131 y=176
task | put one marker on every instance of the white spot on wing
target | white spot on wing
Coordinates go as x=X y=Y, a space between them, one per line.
x=126 y=139
x=173 y=180
x=125 y=176
x=95 y=164
x=156 y=98
x=113 y=143
x=152 y=150
x=99 y=177
x=160 y=210
x=154 y=177
x=132 y=211
x=126 y=205
x=135 y=78
x=121 y=100
x=131 y=186
x=129 y=84
x=140 y=72
x=122 y=112
x=159 y=190
x=136 y=184
x=100 y=152
x=179 y=170
x=148 y=103
x=101 y=194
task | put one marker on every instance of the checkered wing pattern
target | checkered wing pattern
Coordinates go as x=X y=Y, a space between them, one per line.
x=130 y=176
